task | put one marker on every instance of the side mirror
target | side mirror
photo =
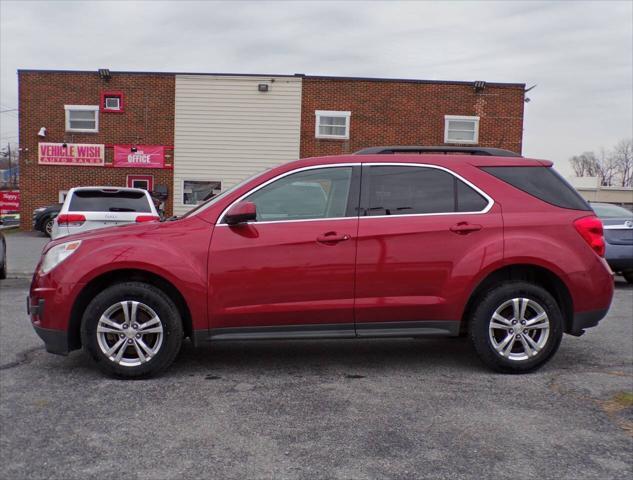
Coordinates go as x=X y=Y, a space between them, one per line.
x=241 y=212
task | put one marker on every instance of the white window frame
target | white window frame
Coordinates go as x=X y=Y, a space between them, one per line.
x=461 y=118
x=92 y=108
x=182 y=189
x=61 y=196
x=112 y=97
x=331 y=113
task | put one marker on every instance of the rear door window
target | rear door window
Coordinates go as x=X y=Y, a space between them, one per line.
x=104 y=201
x=543 y=183
x=409 y=190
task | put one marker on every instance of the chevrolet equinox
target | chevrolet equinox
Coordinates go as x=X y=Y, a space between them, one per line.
x=388 y=242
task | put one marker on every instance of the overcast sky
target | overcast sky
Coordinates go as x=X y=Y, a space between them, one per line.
x=579 y=53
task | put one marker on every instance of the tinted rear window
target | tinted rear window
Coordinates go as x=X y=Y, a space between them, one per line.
x=400 y=190
x=99 y=201
x=543 y=183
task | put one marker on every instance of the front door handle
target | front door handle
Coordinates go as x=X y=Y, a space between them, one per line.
x=464 y=228
x=332 y=238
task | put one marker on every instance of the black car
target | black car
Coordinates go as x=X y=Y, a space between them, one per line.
x=43 y=218
x=3 y=256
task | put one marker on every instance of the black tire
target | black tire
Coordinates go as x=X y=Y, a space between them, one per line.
x=48 y=226
x=628 y=276
x=149 y=296
x=480 y=335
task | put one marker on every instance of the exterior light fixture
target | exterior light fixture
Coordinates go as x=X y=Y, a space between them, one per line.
x=262 y=87
x=42 y=132
x=64 y=145
x=104 y=73
x=133 y=149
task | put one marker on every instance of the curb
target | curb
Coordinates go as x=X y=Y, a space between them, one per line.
x=19 y=275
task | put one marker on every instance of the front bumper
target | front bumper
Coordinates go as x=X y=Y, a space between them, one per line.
x=55 y=341
x=583 y=320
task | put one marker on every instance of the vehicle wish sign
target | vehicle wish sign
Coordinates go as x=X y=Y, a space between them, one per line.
x=83 y=154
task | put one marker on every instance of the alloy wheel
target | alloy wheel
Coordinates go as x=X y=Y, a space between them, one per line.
x=130 y=333
x=519 y=329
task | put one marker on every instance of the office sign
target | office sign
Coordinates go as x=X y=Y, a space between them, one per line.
x=139 y=156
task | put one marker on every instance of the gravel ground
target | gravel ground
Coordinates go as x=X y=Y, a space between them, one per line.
x=330 y=409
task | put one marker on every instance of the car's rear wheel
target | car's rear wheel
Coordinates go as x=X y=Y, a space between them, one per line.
x=48 y=227
x=132 y=330
x=516 y=327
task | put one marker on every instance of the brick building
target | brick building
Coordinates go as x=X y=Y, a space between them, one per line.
x=210 y=131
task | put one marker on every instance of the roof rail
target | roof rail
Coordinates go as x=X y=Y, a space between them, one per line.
x=494 y=152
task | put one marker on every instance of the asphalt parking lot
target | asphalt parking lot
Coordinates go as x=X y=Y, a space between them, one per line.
x=331 y=409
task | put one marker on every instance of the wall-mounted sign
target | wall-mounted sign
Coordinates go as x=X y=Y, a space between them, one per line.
x=9 y=200
x=139 y=156
x=91 y=155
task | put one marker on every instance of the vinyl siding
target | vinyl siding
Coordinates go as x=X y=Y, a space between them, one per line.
x=226 y=130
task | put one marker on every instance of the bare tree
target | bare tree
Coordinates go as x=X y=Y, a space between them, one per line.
x=613 y=168
x=623 y=158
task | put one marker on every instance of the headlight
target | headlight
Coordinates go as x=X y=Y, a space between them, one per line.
x=58 y=254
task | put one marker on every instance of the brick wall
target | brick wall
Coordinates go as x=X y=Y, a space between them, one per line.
x=408 y=113
x=148 y=119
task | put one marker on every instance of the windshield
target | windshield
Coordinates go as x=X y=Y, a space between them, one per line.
x=223 y=194
x=610 y=211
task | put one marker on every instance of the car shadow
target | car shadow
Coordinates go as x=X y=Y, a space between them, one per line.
x=309 y=357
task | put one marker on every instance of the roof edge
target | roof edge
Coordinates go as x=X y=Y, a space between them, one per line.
x=282 y=75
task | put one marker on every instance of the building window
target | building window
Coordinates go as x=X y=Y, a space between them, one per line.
x=112 y=102
x=82 y=118
x=330 y=124
x=195 y=192
x=146 y=182
x=458 y=129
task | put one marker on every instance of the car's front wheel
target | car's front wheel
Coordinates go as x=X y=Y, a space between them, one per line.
x=132 y=330
x=516 y=327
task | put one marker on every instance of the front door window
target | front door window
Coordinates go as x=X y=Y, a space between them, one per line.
x=308 y=195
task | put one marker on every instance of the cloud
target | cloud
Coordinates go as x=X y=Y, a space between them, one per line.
x=579 y=53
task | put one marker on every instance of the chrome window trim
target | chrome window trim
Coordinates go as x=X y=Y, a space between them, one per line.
x=486 y=209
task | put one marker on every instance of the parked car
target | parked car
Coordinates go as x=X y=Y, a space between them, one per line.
x=11 y=217
x=618 y=235
x=89 y=208
x=44 y=218
x=473 y=241
x=3 y=256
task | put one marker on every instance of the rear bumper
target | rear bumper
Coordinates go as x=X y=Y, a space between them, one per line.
x=619 y=257
x=583 y=320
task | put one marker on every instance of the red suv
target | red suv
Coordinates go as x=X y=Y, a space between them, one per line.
x=388 y=242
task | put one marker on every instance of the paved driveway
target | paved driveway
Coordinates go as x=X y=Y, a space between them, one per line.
x=331 y=409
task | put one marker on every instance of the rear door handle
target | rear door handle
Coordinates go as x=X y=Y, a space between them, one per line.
x=331 y=238
x=464 y=228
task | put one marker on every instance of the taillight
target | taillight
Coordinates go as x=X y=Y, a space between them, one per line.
x=146 y=218
x=590 y=228
x=71 y=219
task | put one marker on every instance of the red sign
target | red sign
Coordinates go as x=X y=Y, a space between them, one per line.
x=9 y=200
x=70 y=154
x=139 y=156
